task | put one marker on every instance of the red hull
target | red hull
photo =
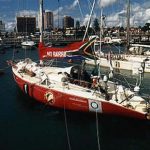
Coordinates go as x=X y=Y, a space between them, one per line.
x=73 y=102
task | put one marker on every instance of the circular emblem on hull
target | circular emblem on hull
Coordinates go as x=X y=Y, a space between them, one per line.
x=94 y=105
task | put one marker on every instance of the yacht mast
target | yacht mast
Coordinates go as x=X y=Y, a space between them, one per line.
x=88 y=24
x=128 y=24
x=41 y=20
x=58 y=13
x=101 y=29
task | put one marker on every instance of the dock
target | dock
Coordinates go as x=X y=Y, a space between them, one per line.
x=16 y=42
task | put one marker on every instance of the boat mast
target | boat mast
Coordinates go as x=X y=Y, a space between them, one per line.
x=41 y=20
x=58 y=13
x=128 y=24
x=101 y=29
x=89 y=20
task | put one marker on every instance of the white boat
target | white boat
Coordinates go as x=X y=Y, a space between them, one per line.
x=119 y=61
x=113 y=40
x=137 y=59
x=140 y=49
x=28 y=44
x=123 y=61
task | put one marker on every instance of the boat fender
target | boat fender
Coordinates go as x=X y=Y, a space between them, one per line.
x=105 y=78
x=140 y=70
x=148 y=116
x=49 y=97
x=111 y=74
x=143 y=65
x=116 y=64
x=26 y=88
x=119 y=64
x=136 y=89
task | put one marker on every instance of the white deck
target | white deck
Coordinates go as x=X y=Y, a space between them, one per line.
x=56 y=84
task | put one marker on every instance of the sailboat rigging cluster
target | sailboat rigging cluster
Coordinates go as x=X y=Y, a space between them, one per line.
x=74 y=87
x=135 y=58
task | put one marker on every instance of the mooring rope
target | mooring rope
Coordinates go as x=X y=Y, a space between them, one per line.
x=97 y=131
x=66 y=126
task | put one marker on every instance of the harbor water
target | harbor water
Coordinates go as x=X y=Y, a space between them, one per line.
x=26 y=124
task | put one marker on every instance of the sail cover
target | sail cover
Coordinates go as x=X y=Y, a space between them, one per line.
x=59 y=52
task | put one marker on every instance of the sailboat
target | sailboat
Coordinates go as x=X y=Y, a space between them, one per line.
x=74 y=87
x=135 y=59
x=28 y=44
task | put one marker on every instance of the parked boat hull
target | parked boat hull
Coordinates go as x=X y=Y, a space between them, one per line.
x=64 y=100
x=120 y=64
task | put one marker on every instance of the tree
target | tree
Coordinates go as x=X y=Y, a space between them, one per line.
x=121 y=29
x=146 y=27
x=96 y=25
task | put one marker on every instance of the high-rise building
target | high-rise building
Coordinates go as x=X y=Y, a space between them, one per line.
x=2 y=26
x=26 y=24
x=48 y=20
x=68 y=22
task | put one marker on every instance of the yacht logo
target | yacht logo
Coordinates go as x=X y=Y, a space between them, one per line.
x=95 y=106
x=49 y=97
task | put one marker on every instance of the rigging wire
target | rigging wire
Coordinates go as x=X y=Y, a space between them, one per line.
x=80 y=9
x=66 y=126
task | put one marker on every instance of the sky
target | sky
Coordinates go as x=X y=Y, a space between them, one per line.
x=114 y=10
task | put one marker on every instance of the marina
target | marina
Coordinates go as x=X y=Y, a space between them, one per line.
x=60 y=40
x=75 y=87
x=28 y=124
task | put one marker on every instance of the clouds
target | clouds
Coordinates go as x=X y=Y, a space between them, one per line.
x=140 y=11
x=10 y=21
x=10 y=25
x=27 y=13
x=86 y=19
x=74 y=4
x=58 y=15
x=140 y=14
x=105 y=3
